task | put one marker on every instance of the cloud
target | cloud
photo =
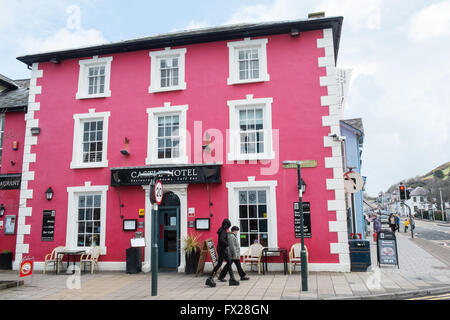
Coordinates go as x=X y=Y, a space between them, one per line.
x=358 y=14
x=193 y=24
x=431 y=22
x=62 y=39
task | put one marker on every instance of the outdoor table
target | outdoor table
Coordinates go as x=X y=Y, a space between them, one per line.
x=72 y=253
x=283 y=251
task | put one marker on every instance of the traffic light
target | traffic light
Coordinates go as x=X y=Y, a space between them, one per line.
x=407 y=194
x=402 y=192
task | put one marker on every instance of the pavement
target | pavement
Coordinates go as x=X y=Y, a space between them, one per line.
x=420 y=273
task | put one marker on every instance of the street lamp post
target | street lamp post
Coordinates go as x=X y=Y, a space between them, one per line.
x=303 y=258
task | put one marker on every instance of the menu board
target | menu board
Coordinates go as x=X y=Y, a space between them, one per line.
x=208 y=247
x=48 y=225
x=387 y=251
x=306 y=220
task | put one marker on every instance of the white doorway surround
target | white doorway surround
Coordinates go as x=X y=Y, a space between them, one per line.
x=181 y=191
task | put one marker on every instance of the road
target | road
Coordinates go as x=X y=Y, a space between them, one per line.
x=437 y=232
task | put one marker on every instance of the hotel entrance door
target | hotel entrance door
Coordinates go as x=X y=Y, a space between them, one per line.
x=169 y=231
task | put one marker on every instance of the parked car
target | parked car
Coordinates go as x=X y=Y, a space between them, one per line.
x=384 y=219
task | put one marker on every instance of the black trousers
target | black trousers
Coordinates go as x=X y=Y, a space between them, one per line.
x=228 y=268
x=223 y=256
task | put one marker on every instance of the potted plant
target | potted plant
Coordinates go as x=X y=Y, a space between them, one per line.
x=6 y=257
x=192 y=247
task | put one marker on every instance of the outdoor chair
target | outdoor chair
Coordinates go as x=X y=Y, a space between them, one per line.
x=295 y=256
x=91 y=257
x=253 y=255
x=54 y=258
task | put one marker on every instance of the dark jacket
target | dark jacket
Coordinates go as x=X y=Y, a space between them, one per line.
x=377 y=225
x=222 y=241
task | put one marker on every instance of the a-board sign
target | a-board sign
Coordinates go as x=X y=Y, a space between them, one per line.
x=306 y=220
x=387 y=248
x=48 y=225
x=26 y=267
x=208 y=247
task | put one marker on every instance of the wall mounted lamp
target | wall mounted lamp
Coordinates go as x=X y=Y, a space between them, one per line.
x=125 y=151
x=49 y=193
x=303 y=186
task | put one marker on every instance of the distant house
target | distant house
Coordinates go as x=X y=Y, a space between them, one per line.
x=418 y=200
x=353 y=131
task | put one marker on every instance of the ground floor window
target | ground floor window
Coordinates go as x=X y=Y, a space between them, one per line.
x=253 y=217
x=86 y=217
x=89 y=207
x=252 y=207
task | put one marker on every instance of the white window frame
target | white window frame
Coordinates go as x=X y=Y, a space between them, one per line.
x=155 y=73
x=152 y=144
x=251 y=184
x=72 y=214
x=83 y=83
x=77 y=152
x=247 y=43
x=234 y=153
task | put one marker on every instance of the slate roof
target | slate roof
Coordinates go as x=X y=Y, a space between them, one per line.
x=7 y=82
x=182 y=38
x=355 y=123
x=419 y=191
x=15 y=99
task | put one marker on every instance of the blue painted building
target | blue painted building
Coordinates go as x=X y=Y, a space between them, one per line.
x=353 y=131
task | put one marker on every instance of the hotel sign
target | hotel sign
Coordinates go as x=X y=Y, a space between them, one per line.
x=10 y=181
x=182 y=174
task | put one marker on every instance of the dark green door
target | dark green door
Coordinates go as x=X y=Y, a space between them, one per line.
x=169 y=234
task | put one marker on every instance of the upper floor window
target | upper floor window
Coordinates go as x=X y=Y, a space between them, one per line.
x=248 y=61
x=167 y=135
x=167 y=70
x=90 y=139
x=2 y=131
x=94 y=78
x=251 y=129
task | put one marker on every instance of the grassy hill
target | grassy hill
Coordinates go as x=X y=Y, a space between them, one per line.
x=445 y=169
x=434 y=181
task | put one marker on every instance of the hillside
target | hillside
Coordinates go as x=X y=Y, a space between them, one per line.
x=433 y=181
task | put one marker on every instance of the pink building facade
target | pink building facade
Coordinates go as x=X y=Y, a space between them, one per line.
x=220 y=108
x=13 y=106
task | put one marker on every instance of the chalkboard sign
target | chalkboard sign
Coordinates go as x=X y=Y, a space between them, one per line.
x=306 y=220
x=387 y=248
x=208 y=247
x=48 y=225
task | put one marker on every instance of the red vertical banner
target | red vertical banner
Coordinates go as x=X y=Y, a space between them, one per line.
x=26 y=267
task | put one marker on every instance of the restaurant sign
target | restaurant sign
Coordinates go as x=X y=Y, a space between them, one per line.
x=182 y=174
x=306 y=220
x=10 y=181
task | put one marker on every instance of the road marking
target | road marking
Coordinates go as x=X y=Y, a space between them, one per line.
x=435 y=297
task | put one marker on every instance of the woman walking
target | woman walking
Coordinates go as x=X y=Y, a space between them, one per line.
x=222 y=244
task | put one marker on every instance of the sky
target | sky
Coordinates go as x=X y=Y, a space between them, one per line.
x=398 y=52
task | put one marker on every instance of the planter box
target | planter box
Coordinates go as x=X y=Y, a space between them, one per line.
x=192 y=262
x=6 y=261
